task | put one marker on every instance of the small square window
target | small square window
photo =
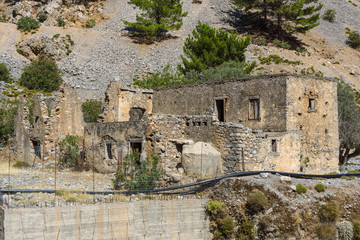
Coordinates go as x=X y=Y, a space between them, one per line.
x=254 y=109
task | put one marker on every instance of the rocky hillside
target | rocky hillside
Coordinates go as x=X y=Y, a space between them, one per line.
x=105 y=52
x=275 y=207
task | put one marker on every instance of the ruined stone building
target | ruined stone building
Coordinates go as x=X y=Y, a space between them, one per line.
x=279 y=122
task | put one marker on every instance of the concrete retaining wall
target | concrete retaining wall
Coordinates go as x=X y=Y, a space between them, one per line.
x=172 y=219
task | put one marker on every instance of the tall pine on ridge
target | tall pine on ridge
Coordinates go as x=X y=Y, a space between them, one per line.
x=288 y=15
x=158 y=17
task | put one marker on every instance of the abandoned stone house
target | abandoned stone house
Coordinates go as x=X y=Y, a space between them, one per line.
x=278 y=122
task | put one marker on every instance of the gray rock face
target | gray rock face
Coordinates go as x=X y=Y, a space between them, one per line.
x=56 y=47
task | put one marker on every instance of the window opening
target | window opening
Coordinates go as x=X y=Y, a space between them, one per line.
x=274 y=145
x=109 y=150
x=254 y=109
x=37 y=148
x=220 y=109
x=136 y=146
x=312 y=105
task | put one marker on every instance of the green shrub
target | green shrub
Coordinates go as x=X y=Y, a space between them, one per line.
x=42 y=75
x=326 y=232
x=348 y=177
x=262 y=41
x=136 y=174
x=42 y=17
x=8 y=109
x=60 y=22
x=280 y=44
x=27 y=24
x=71 y=199
x=5 y=75
x=329 y=212
x=218 y=235
x=356 y=230
x=353 y=172
x=345 y=230
x=320 y=187
x=21 y=164
x=59 y=193
x=353 y=39
x=300 y=188
x=256 y=201
x=277 y=60
x=247 y=231
x=227 y=226
x=329 y=15
x=56 y=35
x=214 y=207
x=91 y=110
x=70 y=151
x=90 y=23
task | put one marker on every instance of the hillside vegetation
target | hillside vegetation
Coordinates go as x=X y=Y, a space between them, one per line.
x=101 y=49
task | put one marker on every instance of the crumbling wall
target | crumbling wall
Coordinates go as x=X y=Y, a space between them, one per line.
x=106 y=144
x=317 y=124
x=200 y=99
x=119 y=101
x=240 y=148
x=52 y=119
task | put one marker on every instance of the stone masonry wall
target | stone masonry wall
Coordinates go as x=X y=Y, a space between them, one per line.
x=169 y=134
x=119 y=100
x=318 y=127
x=53 y=118
x=171 y=219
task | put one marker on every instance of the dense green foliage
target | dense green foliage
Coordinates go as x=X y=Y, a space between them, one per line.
x=214 y=207
x=353 y=39
x=157 y=17
x=227 y=70
x=256 y=201
x=137 y=175
x=27 y=24
x=60 y=22
x=288 y=15
x=326 y=232
x=329 y=212
x=210 y=47
x=8 y=109
x=301 y=188
x=246 y=231
x=160 y=78
x=91 y=110
x=356 y=230
x=320 y=187
x=90 y=23
x=42 y=16
x=227 y=226
x=42 y=75
x=330 y=15
x=5 y=73
x=70 y=151
x=349 y=124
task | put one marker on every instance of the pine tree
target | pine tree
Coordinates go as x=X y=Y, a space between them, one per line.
x=210 y=47
x=158 y=17
x=288 y=15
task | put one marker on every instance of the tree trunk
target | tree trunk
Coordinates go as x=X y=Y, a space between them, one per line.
x=343 y=156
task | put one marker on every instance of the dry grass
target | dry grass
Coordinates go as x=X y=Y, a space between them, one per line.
x=4 y=169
